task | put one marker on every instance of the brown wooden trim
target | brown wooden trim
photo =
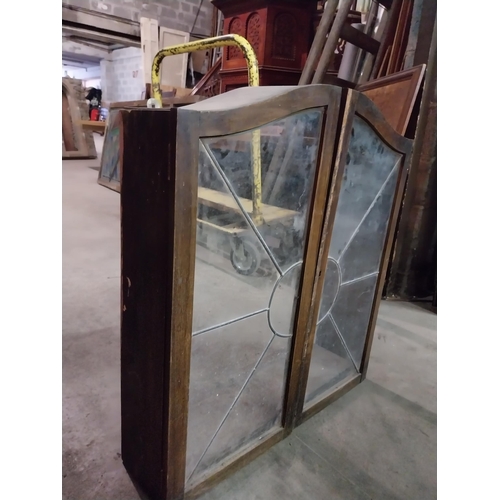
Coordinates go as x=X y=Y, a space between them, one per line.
x=313 y=239
x=341 y=149
x=184 y=253
x=335 y=393
x=166 y=101
x=257 y=106
x=414 y=76
x=242 y=458
x=370 y=113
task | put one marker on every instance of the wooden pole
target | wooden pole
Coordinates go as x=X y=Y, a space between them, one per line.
x=331 y=43
x=385 y=43
x=318 y=42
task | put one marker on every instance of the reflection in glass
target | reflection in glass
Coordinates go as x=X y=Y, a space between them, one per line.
x=359 y=232
x=247 y=273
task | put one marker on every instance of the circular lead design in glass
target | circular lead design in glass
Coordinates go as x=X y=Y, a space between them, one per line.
x=330 y=288
x=281 y=304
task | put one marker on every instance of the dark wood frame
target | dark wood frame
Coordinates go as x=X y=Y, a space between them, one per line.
x=159 y=218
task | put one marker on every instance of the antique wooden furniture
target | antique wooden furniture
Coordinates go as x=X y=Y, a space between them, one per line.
x=279 y=31
x=217 y=365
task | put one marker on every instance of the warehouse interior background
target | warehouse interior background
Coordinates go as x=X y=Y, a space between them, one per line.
x=61 y=358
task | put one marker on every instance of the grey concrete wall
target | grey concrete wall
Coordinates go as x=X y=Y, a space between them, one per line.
x=122 y=76
x=175 y=14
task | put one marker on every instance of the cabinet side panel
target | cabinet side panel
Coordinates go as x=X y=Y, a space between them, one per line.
x=148 y=149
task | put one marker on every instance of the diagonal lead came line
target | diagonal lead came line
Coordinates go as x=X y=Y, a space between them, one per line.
x=214 y=163
x=232 y=405
x=369 y=209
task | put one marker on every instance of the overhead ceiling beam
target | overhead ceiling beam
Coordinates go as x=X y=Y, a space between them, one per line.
x=105 y=47
x=75 y=64
x=102 y=22
x=100 y=37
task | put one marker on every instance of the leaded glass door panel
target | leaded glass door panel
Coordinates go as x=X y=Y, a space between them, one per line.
x=369 y=191
x=256 y=240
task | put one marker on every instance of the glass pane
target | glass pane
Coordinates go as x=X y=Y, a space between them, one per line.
x=287 y=172
x=248 y=269
x=359 y=232
x=230 y=259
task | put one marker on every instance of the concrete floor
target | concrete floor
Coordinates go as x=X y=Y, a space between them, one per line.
x=376 y=442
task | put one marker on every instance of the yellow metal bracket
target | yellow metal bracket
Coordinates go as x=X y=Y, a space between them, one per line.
x=253 y=81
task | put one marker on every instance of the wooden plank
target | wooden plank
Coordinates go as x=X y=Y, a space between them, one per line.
x=318 y=42
x=94 y=125
x=331 y=43
x=229 y=229
x=404 y=38
x=147 y=218
x=226 y=202
x=398 y=37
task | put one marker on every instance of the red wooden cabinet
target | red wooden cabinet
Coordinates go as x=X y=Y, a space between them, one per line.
x=280 y=33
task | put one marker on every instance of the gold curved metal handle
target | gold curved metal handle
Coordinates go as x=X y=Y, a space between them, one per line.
x=253 y=81
x=207 y=43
